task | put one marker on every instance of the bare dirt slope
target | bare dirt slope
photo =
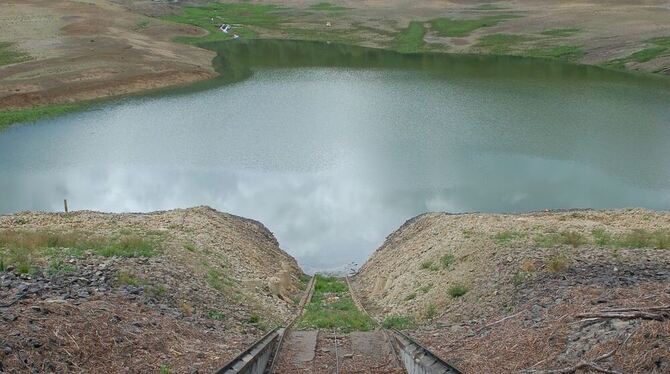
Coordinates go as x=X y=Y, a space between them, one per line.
x=504 y=293
x=82 y=50
x=185 y=290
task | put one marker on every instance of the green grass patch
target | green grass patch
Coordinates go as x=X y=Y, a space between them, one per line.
x=647 y=54
x=29 y=251
x=601 y=236
x=327 y=7
x=561 y=52
x=410 y=39
x=659 y=46
x=500 y=43
x=560 y=32
x=663 y=41
x=457 y=290
x=447 y=260
x=507 y=236
x=639 y=238
x=210 y=17
x=463 y=27
x=430 y=312
x=156 y=291
x=60 y=266
x=217 y=280
x=429 y=265
x=216 y=315
x=10 y=117
x=127 y=279
x=398 y=322
x=331 y=307
x=571 y=238
x=411 y=296
x=9 y=55
x=127 y=246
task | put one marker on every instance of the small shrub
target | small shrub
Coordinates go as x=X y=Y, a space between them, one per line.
x=157 y=291
x=425 y=288
x=214 y=279
x=431 y=311
x=557 y=263
x=639 y=238
x=572 y=238
x=468 y=233
x=528 y=266
x=397 y=322
x=187 y=309
x=457 y=290
x=58 y=266
x=601 y=237
x=507 y=236
x=447 y=260
x=254 y=319
x=164 y=369
x=426 y=264
x=411 y=296
x=519 y=278
x=216 y=315
x=190 y=247
x=123 y=278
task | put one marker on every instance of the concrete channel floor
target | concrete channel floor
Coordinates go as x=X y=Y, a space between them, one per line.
x=357 y=352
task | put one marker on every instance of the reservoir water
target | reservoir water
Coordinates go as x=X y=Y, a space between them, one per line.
x=334 y=147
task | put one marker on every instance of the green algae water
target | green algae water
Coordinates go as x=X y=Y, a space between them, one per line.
x=333 y=147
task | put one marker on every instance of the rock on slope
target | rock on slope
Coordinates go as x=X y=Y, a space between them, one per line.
x=183 y=290
x=501 y=293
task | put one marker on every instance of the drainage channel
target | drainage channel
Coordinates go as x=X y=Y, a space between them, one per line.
x=262 y=355
x=415 y=358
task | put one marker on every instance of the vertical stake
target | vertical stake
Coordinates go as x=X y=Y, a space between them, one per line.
x=65 y=204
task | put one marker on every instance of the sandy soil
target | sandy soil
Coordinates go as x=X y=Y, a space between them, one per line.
x=523 y=293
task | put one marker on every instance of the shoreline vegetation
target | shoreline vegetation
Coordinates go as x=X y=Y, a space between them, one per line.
x=272 y=22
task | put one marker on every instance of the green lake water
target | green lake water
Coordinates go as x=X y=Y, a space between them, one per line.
x=333 y=147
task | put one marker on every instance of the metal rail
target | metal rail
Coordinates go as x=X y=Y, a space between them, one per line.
x=301 y=307
x=416 y=358
x=419 y=359
x=255 y=359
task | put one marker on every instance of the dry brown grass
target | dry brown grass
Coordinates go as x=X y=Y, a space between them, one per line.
x=106 y=336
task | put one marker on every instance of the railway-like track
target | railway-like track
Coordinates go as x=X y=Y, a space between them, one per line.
x=380 y=351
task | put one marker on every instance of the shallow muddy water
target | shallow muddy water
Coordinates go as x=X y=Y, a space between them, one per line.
x=334 y=147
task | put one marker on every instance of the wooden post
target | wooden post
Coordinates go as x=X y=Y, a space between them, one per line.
x=65 y=203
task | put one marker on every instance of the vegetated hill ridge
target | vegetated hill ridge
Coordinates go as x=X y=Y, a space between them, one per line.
x=182 y=290
x=511 y=287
